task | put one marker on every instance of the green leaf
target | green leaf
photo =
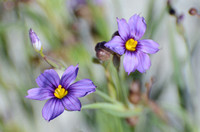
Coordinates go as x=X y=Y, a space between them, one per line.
x=117 y=110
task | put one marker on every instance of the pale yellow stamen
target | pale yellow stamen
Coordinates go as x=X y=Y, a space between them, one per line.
x=60 y=92
x=131 y=44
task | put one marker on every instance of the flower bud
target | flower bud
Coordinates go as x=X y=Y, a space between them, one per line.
x=101 y=51
x=35 y=41
x=116 y=33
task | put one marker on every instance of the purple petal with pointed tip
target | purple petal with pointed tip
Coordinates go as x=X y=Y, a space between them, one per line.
x=39 y=94
x=144 y=62
x=137 y=26
x=71 y=103
x=148 y=46
x=123 y=29
x=117 y=45
x=52 y=109
x=130 y=61
x=48 y=79
x=82 y=88
x=69 y=76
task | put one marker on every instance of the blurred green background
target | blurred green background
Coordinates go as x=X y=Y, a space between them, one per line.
x=69 y=31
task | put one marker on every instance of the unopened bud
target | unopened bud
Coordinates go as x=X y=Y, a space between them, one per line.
x=193 y=11
x=35 y=41
x=116 y=33
x=101 y=51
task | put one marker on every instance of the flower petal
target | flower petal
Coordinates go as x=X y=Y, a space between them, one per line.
x=82 y=88
x=48 y=79
x=69 y=76
x=137 y=26
x=52 y=109
x=116 y=44
x=123 y=29
x=144 y=62
x=39 y=94
x=148 y=46
x=71 y=103
x=130 y=61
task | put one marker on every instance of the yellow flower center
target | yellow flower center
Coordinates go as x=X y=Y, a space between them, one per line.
x=60 y=92
x=131 y=44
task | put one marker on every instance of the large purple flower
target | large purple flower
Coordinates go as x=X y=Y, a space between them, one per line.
x=128 y=42
x=60 y=93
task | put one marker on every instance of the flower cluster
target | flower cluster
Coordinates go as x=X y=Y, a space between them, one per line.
x=128 y=42
x=61 y=93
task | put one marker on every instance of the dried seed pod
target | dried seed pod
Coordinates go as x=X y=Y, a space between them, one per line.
x=135 y=87
x=193 y=11
x=101 y=52
x=135 y=92
x=103 y=55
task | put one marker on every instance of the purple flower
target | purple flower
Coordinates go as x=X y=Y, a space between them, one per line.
x=35 y=41
x=61 y=93
x=128 y=42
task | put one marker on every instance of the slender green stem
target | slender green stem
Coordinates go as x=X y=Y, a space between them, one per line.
x=122 y=90
x=118 y=110
x=106 y=97
x=111 y=90
x=50 y=61
x=118 y=107
x=42 y=54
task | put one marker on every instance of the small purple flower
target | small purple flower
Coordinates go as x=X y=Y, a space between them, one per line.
x=128 y=42
x=35 y=41
x=60 y=93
